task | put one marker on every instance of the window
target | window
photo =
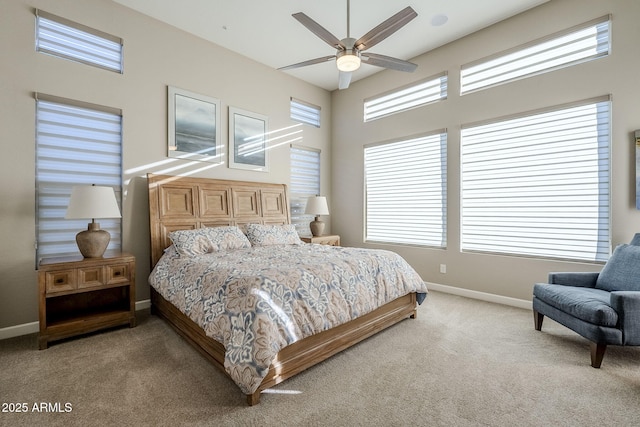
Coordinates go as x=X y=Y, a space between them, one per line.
x=76 y=144
x=69 y=40
x=406 y=191
x=586 y=42
x=304 y=112
x=305 y=182
x=424 y=92
x=538 y=184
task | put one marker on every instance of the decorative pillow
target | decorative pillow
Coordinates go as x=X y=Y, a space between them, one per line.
x=193 y=242
x=265 y=235
x=636 y=240
x=230 y=237
x=209 y=239
x=622 y=270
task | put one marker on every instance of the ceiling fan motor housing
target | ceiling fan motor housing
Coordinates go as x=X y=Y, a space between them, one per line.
x=348 y=59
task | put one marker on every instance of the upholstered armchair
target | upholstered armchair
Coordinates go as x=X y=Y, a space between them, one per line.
x=602 y=307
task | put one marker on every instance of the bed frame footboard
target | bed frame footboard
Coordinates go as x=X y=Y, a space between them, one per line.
x=300 y=355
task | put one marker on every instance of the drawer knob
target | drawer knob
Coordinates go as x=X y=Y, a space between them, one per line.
x=117 y=273
x=59 y=281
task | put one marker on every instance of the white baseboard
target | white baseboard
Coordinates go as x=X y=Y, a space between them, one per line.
x=483 y=296
x=16 y=331
x=33 y=327
x=144 y=304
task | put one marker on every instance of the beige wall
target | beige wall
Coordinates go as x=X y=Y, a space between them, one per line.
x=616 y=75
x=156 y=55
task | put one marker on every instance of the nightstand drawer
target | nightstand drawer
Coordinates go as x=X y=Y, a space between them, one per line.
x=90 y=277
x=60 y=281
x=117 y=273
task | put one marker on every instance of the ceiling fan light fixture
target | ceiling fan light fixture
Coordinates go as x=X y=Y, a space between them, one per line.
x=348 y=61
x=348 y=50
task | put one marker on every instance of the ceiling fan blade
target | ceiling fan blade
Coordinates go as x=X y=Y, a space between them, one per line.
x=386 y=28
x=319 y=30
x=309 y=62
x=344 y=79
x=388 y=62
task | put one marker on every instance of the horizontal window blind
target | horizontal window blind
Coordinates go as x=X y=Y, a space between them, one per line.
x=304 y=112
x=406 y=191
x=69 y=40
x=402 y=99
x=75 y=145
x=305 y=182
x=538 y=185
x=587 y=42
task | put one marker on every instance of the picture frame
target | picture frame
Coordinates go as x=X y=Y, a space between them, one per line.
x=248 y=140
x=194 y=126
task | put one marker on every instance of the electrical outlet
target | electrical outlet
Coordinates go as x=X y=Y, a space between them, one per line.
x=443 y=268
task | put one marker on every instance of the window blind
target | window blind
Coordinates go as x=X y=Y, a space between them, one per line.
x=304 y=112
x=305 y=182
x=424 y=92
x=69 y=40
x=75 y=145
x=406 y=191
x=587 y=42
x=538 y=185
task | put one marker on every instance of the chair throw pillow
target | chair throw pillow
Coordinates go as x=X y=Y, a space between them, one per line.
x=622 y=271
x=636 y=240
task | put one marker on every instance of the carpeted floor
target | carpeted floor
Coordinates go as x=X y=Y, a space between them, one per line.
x=462 y=362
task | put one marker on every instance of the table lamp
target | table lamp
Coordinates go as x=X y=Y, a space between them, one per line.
x=91 y=202
x=317 y=205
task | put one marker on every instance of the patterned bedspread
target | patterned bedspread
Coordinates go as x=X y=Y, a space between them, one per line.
x=258 y=300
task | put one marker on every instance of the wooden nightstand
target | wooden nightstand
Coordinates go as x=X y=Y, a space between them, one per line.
x=80 y=295
x=329 y=239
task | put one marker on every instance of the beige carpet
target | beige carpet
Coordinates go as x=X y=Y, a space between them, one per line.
x=461 y=363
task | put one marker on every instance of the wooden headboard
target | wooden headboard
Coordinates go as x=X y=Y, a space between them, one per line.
x=183 y=203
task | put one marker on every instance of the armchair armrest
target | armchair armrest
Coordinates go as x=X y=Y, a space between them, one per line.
x=581 y=279
x=627 y=305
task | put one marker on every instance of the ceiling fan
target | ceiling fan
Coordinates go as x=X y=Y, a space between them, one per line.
x=350 y=52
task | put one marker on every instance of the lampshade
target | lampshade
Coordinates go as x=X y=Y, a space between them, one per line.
x=90 y=201
x=348 y=62
x=317 y=205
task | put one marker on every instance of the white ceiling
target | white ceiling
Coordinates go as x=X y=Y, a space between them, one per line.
x=265 y=31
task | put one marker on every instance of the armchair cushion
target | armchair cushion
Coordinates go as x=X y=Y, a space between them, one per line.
x=622 y=271
x=587 y=304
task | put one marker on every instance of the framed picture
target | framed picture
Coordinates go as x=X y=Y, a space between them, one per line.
x=248 y=140
x=194 y=127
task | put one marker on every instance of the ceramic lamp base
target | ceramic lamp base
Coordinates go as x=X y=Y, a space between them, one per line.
x=317 y=227
x=93 y=241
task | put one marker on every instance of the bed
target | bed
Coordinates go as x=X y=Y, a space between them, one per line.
x=195 y=207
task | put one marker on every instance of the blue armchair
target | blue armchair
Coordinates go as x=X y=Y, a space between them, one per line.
x=602 y=307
